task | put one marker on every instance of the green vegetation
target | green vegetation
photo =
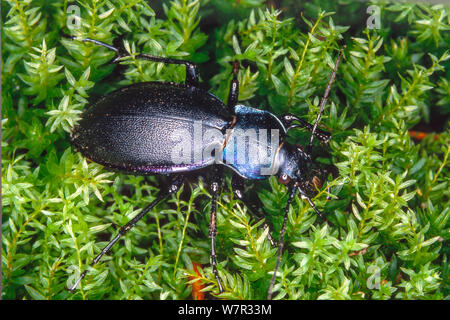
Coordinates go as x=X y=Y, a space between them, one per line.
x=389 y=203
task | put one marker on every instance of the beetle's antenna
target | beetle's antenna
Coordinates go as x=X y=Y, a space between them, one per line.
x=324 y=99
x=292 y=190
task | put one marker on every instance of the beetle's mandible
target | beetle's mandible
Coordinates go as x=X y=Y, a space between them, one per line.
x=173 y=128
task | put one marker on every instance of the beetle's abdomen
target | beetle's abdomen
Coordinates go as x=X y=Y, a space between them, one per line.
x=151 y=127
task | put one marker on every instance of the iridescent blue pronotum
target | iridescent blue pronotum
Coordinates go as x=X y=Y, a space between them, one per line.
x=174 y=128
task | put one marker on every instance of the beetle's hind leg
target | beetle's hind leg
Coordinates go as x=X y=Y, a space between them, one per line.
x=175 y=186
x=215 y=188
x=191 y=68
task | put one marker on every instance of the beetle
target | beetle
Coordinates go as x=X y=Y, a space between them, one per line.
x=148 y=128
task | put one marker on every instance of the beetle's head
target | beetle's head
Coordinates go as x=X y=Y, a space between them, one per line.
x=296 y=166
x=295 y=162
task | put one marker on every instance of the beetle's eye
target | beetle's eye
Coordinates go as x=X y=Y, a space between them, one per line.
x=284 y=178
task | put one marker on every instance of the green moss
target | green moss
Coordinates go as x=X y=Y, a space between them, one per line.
x=389 y=204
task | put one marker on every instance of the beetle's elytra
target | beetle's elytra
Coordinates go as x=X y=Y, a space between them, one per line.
x=174 y=128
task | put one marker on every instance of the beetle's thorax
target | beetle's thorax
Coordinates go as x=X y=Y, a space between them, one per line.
x=252 y=142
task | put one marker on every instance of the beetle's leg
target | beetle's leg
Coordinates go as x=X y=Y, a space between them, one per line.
x=233 y=95
x=237 y=184
x=292 y=190
x=304 y=195
x=318 y=133
x=175 y=186
x=191 y=68
x=215 y=188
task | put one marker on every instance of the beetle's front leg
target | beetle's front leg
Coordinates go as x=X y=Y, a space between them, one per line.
x=215 y=188
x=237 y=184
x=311 y=203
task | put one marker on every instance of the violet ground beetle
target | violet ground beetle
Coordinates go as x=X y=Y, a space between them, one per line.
x=131 y=130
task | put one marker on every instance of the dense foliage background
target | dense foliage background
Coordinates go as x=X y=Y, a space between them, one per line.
x=389 y=203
